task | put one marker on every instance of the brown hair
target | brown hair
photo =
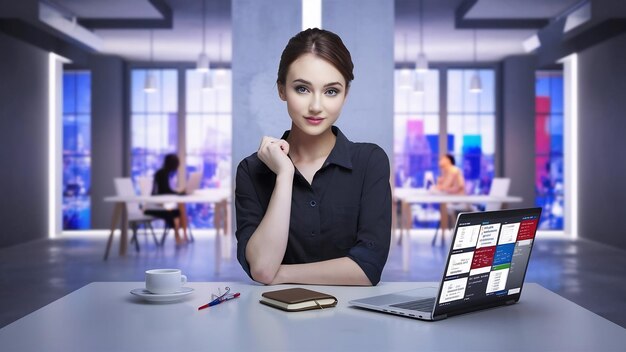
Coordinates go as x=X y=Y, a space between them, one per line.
x=319 y=42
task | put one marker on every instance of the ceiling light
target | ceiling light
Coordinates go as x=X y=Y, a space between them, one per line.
x=475 y=83
x=203 y=60
x=405 y=80
x=150 y=80
x=418 y=88
x=578 y=17
x=421 y=65
x=207 y=82
x=531 y=44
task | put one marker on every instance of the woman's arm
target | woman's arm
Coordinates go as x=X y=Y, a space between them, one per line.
x=453 y=182
x=340 y=271
x=364 y=262
x=266 y=248
x=445 y=183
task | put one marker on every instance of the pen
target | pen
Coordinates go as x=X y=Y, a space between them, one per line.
x=218 y=301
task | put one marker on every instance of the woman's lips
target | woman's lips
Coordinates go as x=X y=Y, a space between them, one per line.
x=314 y=120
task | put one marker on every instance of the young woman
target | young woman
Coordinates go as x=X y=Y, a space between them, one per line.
x=161 y=185
x=313 y=207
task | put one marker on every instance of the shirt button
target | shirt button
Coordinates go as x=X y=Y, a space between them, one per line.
x=313 y=203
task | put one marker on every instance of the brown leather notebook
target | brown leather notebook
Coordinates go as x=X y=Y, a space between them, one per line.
x=298 y=299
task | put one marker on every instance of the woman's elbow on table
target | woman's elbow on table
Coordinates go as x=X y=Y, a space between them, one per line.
x=262 y=275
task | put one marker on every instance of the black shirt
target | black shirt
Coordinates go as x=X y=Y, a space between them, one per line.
x=345 y=212
x=161 y=184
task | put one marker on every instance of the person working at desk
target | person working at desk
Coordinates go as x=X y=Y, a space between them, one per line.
x=314 y=207
x=451 y=180
x=161 y=185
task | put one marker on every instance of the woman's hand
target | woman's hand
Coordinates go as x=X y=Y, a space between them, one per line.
x=274 y=152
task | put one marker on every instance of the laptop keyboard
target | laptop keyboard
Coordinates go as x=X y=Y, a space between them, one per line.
x=422 y=305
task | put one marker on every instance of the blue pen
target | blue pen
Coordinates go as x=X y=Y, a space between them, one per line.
x=219 y=300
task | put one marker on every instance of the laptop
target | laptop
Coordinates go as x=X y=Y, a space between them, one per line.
x=193 y=183
x=485 y=268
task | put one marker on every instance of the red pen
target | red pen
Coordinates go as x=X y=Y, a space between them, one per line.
x=219 y=300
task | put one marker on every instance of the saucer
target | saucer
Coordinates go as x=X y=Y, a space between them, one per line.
x=164 y=297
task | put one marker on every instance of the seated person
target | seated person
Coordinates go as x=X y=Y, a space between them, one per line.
x=161 y=185
x=313 y=207
x=451 y=181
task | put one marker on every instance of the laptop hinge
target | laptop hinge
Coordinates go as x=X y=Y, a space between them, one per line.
x=439 y=317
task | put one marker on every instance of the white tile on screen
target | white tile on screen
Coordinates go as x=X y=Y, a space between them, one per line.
x=488 y=235
x=525 y=242
x=508 y=233
x=466 y=236
x=460 y=263
x=479 y=271
x=497 y=280
x=453 y=290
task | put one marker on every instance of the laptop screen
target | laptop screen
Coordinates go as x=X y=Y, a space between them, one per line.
x=488 y=259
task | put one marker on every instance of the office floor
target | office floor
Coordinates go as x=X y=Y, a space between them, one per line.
x=36 y=273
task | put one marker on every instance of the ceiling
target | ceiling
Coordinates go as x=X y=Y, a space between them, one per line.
x=538 y=9
x=110 y=8
x=442 y=41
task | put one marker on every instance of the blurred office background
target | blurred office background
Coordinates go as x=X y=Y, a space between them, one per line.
x=93 y=90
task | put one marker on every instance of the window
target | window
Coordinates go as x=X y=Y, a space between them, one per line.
x=154 y=121
x=471 y=127
x=416 y=140
x=76 y=150
x=208 y=138
x=549 y=184
x=470 y=123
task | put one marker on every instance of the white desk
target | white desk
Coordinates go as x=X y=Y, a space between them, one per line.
x=408 y=196
x=418 y=195
x=106 y=317
x=217 y=196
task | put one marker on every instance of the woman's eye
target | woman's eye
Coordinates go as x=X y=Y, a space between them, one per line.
x=332 y=92
x=301 y=89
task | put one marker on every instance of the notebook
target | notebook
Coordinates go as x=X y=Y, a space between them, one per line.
x=298 y=299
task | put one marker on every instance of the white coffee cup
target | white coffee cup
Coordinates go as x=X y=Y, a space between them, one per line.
x=162 y=281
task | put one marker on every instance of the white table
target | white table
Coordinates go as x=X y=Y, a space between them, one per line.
x=209 y=195
x=418 y=195
x=408 y=196
x=105 y=317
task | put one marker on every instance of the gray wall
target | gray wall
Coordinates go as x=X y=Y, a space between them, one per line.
x=602 y=142
x=24 y=136
x=366 y=28
x=107 y=137
x=518 y=127
x=260 y=33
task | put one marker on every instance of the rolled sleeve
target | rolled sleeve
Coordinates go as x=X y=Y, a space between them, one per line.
x=374 y=228
x=249 y=212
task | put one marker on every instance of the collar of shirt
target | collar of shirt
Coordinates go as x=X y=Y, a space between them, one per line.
x=340 y=154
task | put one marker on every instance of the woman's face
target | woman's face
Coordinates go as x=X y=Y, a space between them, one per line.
x=315 y=92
